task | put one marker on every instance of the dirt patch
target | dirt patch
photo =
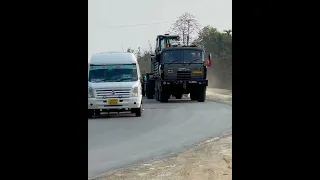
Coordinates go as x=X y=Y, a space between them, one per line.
x=219 y=95
x=210 y=160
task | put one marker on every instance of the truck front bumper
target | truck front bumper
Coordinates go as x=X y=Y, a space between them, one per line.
x=115 y=103
x=186 y=82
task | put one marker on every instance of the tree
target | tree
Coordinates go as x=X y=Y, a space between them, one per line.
x=150 y=47
x=214 y=41
x=143 y=57
x=130 y=50
x=219 y=44
x=138 y=53
x=228 y=32
x=185 y=26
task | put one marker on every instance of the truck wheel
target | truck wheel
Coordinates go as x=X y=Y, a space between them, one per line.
x=193 y=96
x=90 y=113
x=163 y=97
x=178 y=96
x=156 y=94
x=137 y=111
x=202 y=94
x=149 y=93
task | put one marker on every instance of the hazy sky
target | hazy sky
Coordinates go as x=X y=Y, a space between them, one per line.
x=105 y=17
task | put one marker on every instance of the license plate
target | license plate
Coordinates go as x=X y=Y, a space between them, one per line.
x=113 y=101
x=196 y=72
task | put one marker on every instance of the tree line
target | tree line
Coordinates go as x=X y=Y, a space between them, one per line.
x=218 y=43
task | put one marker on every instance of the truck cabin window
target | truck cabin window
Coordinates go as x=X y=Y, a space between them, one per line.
x=162 y=44
x=113 y=73
x=183 y=56
x=173 y=41
x=169 y=41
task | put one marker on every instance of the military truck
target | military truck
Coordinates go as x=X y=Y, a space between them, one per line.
x=178 y=69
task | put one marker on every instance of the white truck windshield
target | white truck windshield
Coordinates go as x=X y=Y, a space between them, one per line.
x=113 y=73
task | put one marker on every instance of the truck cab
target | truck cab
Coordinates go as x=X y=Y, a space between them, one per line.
x=164 y=41
x=114 y=83
x=178 y=69
x=182 y=70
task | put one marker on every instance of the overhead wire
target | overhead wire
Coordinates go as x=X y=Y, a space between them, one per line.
x=136 y=25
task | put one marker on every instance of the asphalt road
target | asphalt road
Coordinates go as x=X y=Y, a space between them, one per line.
x=164 y=129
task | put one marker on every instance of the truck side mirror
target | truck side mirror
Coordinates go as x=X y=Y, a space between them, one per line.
x=208 y=62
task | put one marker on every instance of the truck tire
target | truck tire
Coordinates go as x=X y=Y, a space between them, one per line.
x=149 y=93
x=202 y=94
x=137 y=111
x=163 y=97
x=156 y=94
x=178 y=96
x=193 y=96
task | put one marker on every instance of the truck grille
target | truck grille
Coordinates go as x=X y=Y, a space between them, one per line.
x=112 y=93
x=183 y=75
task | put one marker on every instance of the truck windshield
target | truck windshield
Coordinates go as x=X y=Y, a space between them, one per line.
x=113 y=73
x=170 y=40
x=173 y=57
x=193 y=56
x=183 y=56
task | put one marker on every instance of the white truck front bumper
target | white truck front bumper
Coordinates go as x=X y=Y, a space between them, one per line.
x=115 y=103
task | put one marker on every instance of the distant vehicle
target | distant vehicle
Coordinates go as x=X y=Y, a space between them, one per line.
x=147 y=90
x=114 y=83
x=143 y=84
x=178 y=70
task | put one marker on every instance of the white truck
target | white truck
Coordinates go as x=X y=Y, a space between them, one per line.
x=114 y=83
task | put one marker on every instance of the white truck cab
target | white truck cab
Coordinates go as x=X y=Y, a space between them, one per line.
x=114 y=83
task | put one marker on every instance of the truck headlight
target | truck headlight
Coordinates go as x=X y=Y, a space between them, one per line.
x=135 y=91
x=90 y=92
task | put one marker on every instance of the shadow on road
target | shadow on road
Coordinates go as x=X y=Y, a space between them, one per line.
x=181 y=101
x=170 y=101
x=113 y=115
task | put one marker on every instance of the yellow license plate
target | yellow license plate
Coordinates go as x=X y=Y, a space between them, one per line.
x=196 y=72
x=113 y=101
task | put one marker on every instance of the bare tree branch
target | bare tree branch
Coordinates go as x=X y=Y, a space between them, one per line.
x=186 y=25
